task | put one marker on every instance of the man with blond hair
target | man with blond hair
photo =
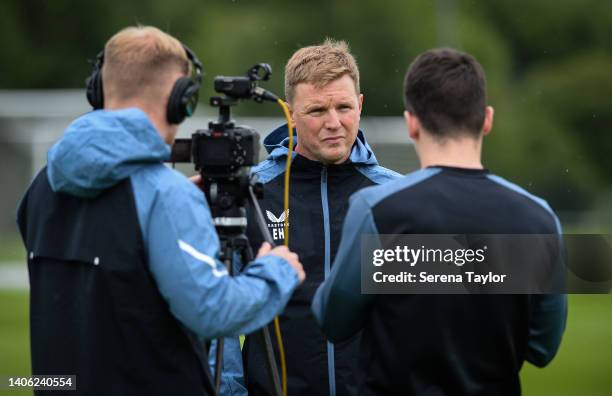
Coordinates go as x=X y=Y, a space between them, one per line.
x=331 y=161
x=125 y=281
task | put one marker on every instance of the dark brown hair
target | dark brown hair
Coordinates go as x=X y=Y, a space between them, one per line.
x=446 y=90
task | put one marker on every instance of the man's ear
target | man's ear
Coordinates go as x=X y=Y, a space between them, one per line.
x=413 y=125
x=290 y=113
x=488 y=121
x=360 y=102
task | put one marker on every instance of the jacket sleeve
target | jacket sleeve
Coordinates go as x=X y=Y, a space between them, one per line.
x=546 y=326
x=183 y=248
x=548 y=314
x=338 y=305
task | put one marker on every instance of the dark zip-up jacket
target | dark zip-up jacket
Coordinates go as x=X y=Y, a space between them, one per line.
x=423 y=344
x=319 y=197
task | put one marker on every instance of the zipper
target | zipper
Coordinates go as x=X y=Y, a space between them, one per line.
x=331 y=369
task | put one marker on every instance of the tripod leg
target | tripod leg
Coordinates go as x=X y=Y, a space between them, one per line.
x=272 y=367
x=227 y=249
x=247 y=255
x=261 y=222
x=260 y=364
x=218 y=365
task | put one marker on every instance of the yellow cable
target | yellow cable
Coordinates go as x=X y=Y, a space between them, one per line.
x=281 y=349
x=287 y=170
x=279 y=339
x=281 y=352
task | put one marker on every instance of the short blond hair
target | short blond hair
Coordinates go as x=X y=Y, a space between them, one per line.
x=319 y=65
x=137 y=60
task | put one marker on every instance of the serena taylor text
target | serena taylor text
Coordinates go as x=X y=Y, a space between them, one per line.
x=424 y=277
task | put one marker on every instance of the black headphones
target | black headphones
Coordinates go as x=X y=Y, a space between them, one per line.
x=183 y=97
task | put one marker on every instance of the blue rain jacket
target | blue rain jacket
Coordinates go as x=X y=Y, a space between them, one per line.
x=102 y=148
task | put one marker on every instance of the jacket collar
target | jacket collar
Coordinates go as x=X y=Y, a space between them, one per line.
x=277 y=142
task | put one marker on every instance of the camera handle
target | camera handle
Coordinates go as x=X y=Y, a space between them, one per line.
x=224 y=104
x=229 y=246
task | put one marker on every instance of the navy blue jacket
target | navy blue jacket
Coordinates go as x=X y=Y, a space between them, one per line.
x=318 y=203
x=441 y=344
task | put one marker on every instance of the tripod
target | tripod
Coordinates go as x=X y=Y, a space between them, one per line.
x=223 y=154
x=233 y=241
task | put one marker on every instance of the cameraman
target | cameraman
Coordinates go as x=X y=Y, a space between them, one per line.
x=122 y=252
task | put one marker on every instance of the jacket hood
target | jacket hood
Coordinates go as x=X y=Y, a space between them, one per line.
x=277 y=142
x=101 y=148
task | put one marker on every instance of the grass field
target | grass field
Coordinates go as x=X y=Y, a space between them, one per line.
x=583 y=366
x=11 y=249
x=14 y=337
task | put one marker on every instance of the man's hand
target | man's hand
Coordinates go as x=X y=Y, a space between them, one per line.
x=285 y=253
x=197 y=180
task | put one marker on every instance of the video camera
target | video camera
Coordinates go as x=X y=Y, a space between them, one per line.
x=224 y=153
x=223 y=148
